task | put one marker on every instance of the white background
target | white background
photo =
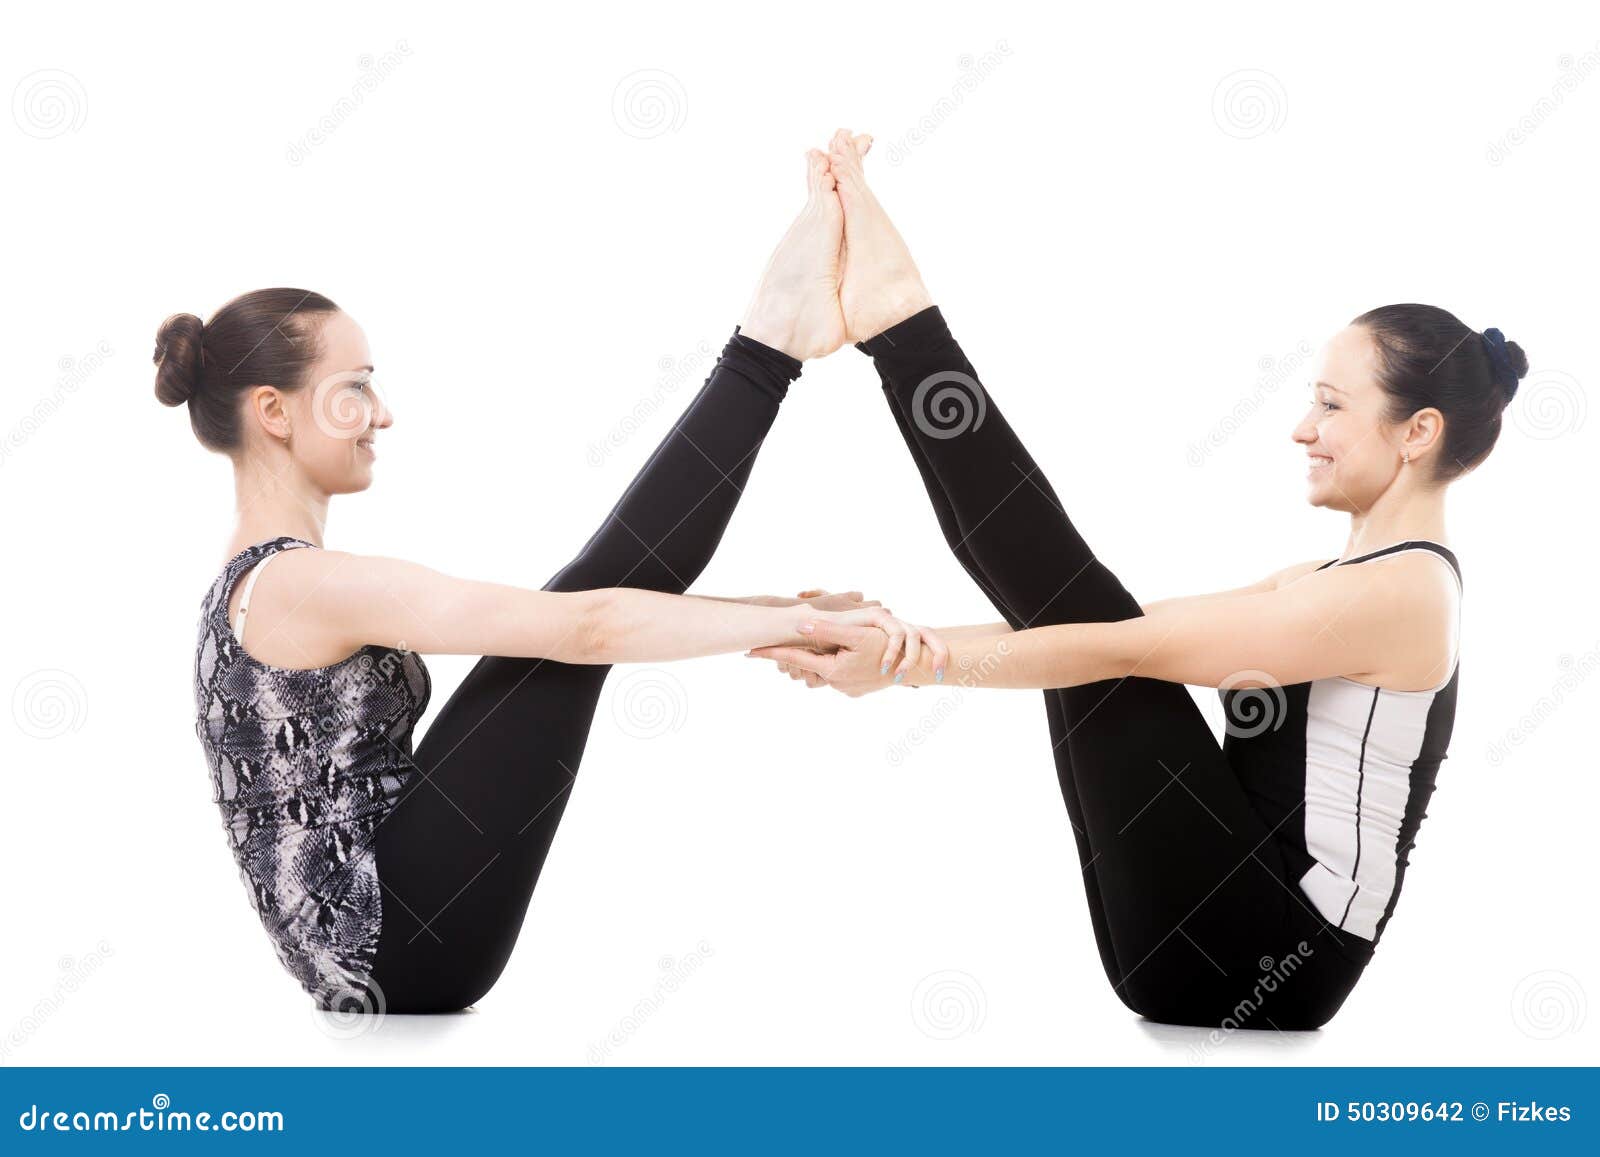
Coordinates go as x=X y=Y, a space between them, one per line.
x=1126 y=252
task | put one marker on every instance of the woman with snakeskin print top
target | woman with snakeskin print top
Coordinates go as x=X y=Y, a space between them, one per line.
x=397 y=879
x=305 y=764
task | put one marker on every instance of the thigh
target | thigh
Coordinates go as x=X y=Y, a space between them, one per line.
x=460 y=854
x=1191 y=878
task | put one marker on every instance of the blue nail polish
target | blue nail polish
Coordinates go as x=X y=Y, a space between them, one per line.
x=883 y=670
x=898 y=677
x=938 y=676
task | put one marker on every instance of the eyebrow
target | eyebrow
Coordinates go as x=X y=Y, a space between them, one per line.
x=1324 y=385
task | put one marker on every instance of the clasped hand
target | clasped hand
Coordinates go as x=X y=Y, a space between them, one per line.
x=858 y=649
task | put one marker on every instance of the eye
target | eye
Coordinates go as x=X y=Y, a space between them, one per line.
x=1327 y=407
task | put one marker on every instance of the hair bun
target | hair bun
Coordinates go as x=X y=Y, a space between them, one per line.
x=1519 y=369
x=178 y=358
x=1506 y=359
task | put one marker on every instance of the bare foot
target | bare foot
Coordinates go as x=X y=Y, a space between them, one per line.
x=796 y=307
x=881 y=286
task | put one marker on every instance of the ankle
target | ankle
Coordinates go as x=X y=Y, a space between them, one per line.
x=772 y=332
x=890 y=306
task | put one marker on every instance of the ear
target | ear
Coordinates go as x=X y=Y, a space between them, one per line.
x=1424 y=432
x=268 y=407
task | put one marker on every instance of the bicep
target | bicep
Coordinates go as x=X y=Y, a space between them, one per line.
x=394 y=603
x=1333 y=625
x=1272 y=582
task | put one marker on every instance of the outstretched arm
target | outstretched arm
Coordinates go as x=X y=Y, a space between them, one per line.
x=1332 y=622
x=334 y=603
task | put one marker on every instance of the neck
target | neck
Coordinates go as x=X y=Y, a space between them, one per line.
x=1401 y=514
x=272 y=498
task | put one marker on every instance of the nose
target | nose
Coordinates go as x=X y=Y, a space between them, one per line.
x=1305 y=432
x=382 y=417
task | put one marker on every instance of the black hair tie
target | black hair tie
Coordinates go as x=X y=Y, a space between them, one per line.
x=1494 y=344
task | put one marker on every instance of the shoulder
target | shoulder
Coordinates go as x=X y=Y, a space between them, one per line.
x=1421 y=575
x=304 y=579
x=1405 y=597
x=335 y=578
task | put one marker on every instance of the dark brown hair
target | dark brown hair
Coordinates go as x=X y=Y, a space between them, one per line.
x=265 y=338
x=1428 y=357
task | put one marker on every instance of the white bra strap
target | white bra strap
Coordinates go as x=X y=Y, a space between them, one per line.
x=244 y=599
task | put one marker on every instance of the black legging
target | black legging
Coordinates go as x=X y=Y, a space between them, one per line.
x=459 y=855
x=1194 y=917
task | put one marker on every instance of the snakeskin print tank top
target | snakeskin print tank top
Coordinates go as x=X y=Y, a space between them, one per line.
x=305 y=767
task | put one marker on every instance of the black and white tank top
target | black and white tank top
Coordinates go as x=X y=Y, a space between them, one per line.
x=1342 y=772
x=305 y=766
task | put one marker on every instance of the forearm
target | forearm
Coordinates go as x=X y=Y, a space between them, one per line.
x=635 y=626
x=975 y=631
x=1065 y=655
x=750 y=600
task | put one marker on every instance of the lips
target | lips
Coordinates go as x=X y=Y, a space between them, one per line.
x=1319 y=461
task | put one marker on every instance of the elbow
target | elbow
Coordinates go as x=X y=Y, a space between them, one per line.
x=598 y=630
x=1118 y=650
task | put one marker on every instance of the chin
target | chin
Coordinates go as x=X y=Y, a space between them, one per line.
x=1330 y=499
x=354 y=484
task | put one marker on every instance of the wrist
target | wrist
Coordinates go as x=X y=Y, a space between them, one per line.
x=800 y=617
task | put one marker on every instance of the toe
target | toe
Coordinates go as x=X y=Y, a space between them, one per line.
x=842 y=141
x=816 y=170
x=863 y=144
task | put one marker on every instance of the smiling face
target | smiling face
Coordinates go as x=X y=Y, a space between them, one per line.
x=330 y=424
x=1354 y=451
